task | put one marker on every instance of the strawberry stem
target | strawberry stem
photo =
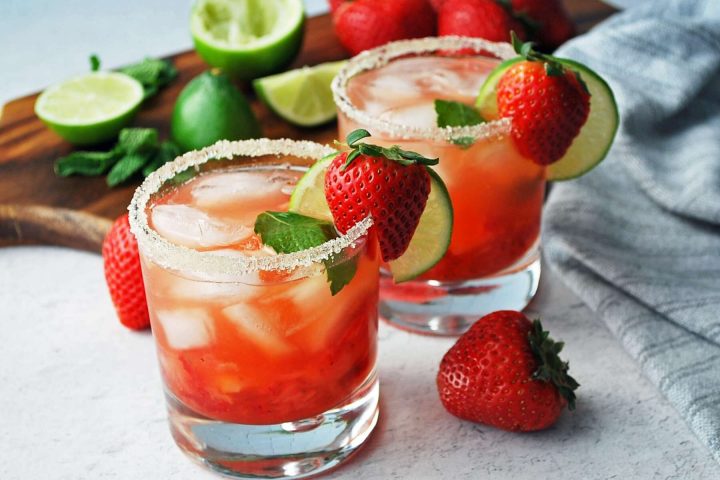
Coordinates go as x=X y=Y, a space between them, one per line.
x=550 y=367
x=394 y=153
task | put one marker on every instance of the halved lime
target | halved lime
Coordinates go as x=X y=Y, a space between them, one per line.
x=247 y=38
x=302 y=96
x=595 y=138
x=431 y=238
x=92 y=108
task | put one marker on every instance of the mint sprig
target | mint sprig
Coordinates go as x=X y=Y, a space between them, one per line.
x=395 y=153
x=289 y=232
x=152 y=73
x=137 y=149
x=456 y=114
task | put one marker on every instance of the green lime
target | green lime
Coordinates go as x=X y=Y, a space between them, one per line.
x=211 y=108
x=431 y=238
x=303 y=96
x=247 y=38
x=595 y=138
x=92 y=108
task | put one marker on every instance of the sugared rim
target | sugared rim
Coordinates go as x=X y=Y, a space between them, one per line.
x=380 y=56
x=188 y=261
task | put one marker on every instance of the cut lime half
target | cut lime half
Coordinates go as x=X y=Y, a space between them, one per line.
x=92 y=108
x=595 y=138
x=431 y=238
x=247 y=38
x=302 y=96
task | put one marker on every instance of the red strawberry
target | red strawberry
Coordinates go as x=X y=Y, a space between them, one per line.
x=477 y=18
x=335 y=4
x=505 y=372
x=437 y=4
x=123 y=275
x=554 y=26
x=390 y=184
x=548 y=103
x=364 y=24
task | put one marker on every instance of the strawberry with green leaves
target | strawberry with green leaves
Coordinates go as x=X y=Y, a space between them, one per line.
x=390 y=184
x=505 y=372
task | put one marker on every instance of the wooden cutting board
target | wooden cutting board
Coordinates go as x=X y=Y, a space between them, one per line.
x=80 y=206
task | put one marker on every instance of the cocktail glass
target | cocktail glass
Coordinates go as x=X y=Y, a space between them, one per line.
x=266 y=373
x=493 y=260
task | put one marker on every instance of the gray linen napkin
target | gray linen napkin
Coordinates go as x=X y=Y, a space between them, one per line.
x=638 y=239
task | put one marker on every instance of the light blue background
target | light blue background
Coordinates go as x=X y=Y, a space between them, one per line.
x=46 y=41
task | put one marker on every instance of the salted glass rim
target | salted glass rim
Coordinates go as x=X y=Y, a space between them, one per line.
x=187 y=260
x=381 y=56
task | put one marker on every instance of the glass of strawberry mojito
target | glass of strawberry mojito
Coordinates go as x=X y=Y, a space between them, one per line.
x=492 y=261
x=265 y=321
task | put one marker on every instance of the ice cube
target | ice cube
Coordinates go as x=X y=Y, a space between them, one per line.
x=260 y=327
x=194 y=228
x=224 y=293
x=246 y=188
x=421 y=115
x=186 y=328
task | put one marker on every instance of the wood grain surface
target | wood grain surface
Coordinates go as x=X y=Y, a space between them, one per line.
x=28 y=149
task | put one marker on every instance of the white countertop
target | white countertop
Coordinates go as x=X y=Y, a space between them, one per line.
x=80 y=396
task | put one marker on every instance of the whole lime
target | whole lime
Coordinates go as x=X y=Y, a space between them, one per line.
x=211 y=108
x=247 y=38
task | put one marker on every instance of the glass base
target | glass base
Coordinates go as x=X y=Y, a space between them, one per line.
x=443 y=308
x=288 y=450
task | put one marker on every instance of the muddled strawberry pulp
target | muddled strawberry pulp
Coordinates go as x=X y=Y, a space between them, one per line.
x=271 y=350
x=496 y=193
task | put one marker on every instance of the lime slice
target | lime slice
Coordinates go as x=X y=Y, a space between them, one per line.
x=308 y=197
x=303 y=96
x=92 y=108
x=247 y=38
x=595 y=138
x=431 y=238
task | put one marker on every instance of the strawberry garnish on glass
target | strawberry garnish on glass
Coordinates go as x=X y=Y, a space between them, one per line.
x=548 y=102
x=390 y=184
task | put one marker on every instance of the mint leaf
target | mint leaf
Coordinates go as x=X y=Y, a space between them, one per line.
x=167 y=152
x=94 y=63
x=289 y=232
x=456 y=114
x=152 y=73
x=394 y=153
x=340 y=274
x=137 y=140
x=126 y=167
x=463 y=142
x=84 y=163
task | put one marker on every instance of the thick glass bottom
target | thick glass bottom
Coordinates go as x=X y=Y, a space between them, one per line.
x=296 y=449
x=450 y=308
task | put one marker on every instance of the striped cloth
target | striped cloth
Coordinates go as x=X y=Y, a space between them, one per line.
x=638 y=239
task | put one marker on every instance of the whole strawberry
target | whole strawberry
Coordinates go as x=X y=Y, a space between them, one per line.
x=123 y=275
x=477 y=18
x=553 y=25
x=365 y=24
x=390 y=184
x=547 y=101
x=505 y=372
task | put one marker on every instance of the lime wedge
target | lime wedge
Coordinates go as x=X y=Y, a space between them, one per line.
x=432 y=236
x=303 y=96
x=595 y=138
x=247 y=38
x=92 y=108
x=308 y=197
